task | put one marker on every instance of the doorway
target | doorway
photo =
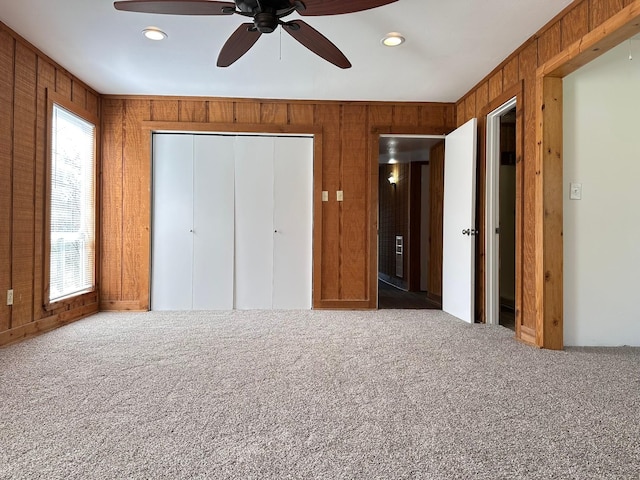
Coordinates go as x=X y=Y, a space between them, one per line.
x=501 y=215
x=409 y=216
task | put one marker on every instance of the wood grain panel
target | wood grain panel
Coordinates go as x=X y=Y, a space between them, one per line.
x=575 y=24
x=24 y=142
x=602 y=10
x=63 y=84
x=136 y=204
x=437 y=116
x=6 y=189
x=93 y=103
x=193 y=111
x=79 y=94
x=46 y=81
x=549 y=43
x=436 y=189
x=166 y=110
x=221 y=111
x=482 y=96
x=300 y=114
x=495 y=85
x=470 y=105
x=461 y=113
x=406 y=115
x=511 y=74
x=548 y=214
x=330 y=117
x=273 y=113
x=111 y=218
x=246 y=112
x=355 y=208
x=380 y=115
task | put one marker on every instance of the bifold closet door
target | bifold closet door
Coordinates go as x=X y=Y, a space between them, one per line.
x=193 y=222
x=254 y=222
x=172 y=221
x=293 y=222
x=213 y=222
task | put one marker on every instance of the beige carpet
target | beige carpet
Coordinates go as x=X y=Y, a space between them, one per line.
x=315 y=395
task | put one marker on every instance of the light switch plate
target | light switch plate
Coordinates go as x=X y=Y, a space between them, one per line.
x=10 y=297
x=340 y=195
x=575 y=191
x=325 y=196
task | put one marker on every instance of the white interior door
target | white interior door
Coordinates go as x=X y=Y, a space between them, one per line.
x=172 y=222
x=213 y=222
x=292 y=225
x=459 y=233
x=254 y=222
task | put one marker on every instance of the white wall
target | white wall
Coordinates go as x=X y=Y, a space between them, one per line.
x=602 y=231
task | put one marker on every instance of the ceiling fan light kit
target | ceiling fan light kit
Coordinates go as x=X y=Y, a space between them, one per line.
x=267 y=15
x=154 y=33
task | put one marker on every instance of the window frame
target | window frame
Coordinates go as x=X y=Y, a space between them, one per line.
x=89 y=295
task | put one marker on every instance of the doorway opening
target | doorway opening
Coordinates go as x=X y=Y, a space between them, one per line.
x=411 y=180
x=501 y=215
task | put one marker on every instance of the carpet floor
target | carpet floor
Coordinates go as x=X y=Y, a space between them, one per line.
x=395 y=394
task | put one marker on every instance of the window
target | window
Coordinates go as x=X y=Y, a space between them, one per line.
x=72 y=205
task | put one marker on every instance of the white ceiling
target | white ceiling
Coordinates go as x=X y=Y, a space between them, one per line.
x=451 y=45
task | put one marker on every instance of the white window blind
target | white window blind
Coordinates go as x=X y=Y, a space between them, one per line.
x=72 y=235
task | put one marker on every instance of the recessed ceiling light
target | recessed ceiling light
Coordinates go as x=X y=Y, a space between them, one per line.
x=393 y=39
x=154 y=33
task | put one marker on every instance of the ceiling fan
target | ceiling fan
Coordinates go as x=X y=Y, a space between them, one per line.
x=267 y=15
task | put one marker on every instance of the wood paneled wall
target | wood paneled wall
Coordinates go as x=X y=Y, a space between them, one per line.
x=25 y=76
x=345 y=252
x=577 y=20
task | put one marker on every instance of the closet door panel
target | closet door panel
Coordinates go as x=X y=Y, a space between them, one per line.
x=254 y=222
x=293 y=206
x=213 y=222
x=172 y=243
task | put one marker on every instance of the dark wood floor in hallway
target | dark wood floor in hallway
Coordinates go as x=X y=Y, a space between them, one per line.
x=390 y=297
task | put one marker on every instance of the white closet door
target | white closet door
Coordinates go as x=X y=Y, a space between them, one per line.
x=254 y=222
x=293 y=203
x=172 y=245
x=213 y=222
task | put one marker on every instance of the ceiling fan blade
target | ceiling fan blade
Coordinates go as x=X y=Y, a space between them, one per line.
x=316 y=42
x=177 y=7
x=238 y=44
x=338 y=7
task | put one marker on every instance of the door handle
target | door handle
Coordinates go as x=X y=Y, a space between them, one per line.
x=470 y=231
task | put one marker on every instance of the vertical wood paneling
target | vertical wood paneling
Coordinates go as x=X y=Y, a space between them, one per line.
x=93 y=103
x=136 y=204
x=329 y=116
x=549 y=43
x=495 y=85
x=221 y=111
x=601 y=10
x=247 y=112
x=300 y=114
x=24 y=141
x=193 y=111
x=46 y=80
x=355 y=208
x=63 y=84
x=575 y=24
x=482 y=96
x=461 y=113
x=275 y=113
x=79 y=94
x=511 y=75
x=165 y=110
x=528 y=64
x=6 y=150
x=470 y=105
x=436 y=189
x=380 y=115
x=111 y=246
x=406 y=115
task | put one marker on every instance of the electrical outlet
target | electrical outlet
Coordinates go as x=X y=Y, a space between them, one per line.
x=325 y=196
x=10 y=297
x=340 y=195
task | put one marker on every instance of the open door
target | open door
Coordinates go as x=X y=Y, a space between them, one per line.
x=458 y=225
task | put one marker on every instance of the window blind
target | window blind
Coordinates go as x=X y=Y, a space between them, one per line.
x=72 y=233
